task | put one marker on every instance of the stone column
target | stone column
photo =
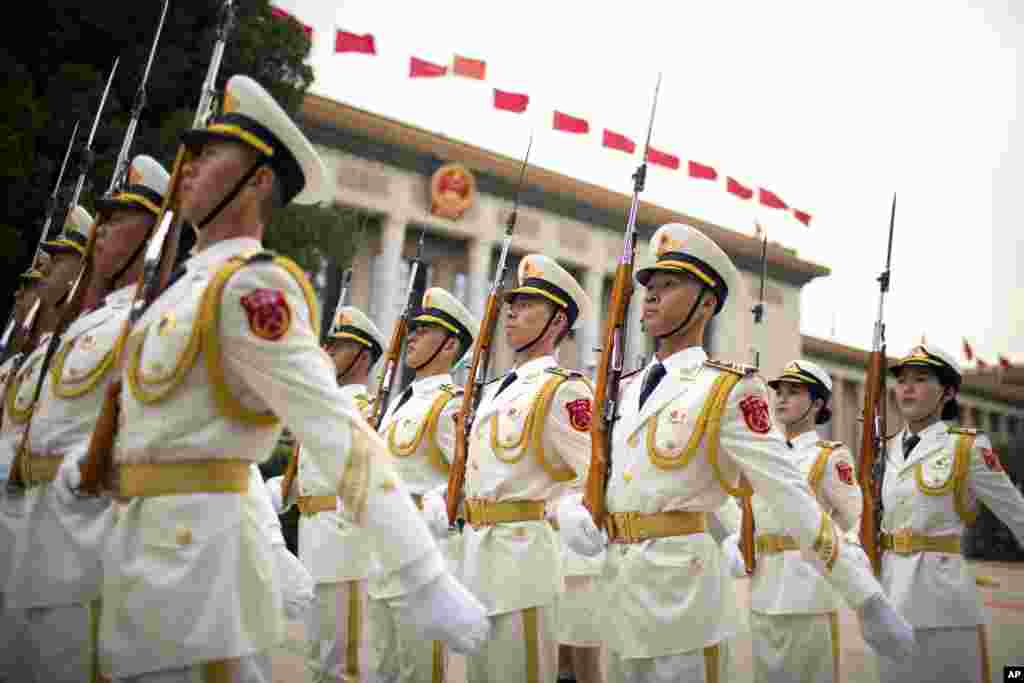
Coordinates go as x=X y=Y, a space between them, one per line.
x=387 y=288
x=594 y=323
x=478 y=256
x=637 y=345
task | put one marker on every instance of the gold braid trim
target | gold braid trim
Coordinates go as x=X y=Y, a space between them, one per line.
x=817 y=472
x=542 y=406
x=827 y=543
x=956 y=483
x=434 y=455
x=169 y=380
x=743 y=489
x=662 y=458
x=18 y=417
x=88 y=383
x=209 y=322
x=404 y=450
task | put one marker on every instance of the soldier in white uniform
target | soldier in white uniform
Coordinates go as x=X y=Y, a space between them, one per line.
x=935 y=474
x=529 y=445
x=334 y=550
x=13 y=645
x=794 y=615
x=688 y=429
x=57 y=568
x=225 y=356
x=420 y=432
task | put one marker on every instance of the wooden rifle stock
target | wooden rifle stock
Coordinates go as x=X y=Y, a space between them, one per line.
x=387 y=378
x=606 y=395
x=290 y=472
x=747 y=532
x=470 y=401
x=872 y=453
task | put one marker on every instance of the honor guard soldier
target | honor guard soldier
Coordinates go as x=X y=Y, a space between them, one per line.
x=794 y=618
x=223 y=359
x=529 y=445
x=334 y=550
x=13 y=648
x=935 y=474
x=689 y=431
x=57 y=571
x=420 y=432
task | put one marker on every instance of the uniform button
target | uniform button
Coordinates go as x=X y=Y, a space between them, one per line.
x=183 y=535
x=628 y=476
x=388 y=485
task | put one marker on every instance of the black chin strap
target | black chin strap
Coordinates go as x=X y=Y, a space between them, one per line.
x=807 y=412
x=693 y=310
x=351 y=365
x=135 y=254
x=229 y=197
x=542 y=332
x=447 y=336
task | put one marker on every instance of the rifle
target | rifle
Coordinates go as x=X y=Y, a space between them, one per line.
x=747 y=526
x=51 y=206
x=613 y=353
x=478 y=367
x=417 y=285
x=122 y=164
x=161 y=252
x=871 y=463
x=73 y=297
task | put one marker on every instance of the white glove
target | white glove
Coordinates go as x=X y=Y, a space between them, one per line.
x=274 y=488
x=444 y=610
x=68 y=480
x=884 y=629
x=435 y=514
x=296 y=584
x=733 y=556
x=577 y=528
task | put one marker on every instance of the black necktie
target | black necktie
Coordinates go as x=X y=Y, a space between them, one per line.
x=908 y=444
x=509 y=378
x=406 y=395
x=176 y=275
x=651 y=381
x=789 y=443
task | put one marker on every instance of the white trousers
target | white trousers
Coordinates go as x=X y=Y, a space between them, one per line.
x=61 y=643
x=709 y=665
x=523 y=648
x=336 y=632
x=397 y=653
x=795 y=647
x=576 y=607
x=14 y=647
x=949 y=655
x=252 y=669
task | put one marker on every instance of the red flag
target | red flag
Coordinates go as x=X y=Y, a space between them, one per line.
x=968 y=351
x=802 y=216
x=982 y=365
x=510 y=101
x=469 y=68
x=1004 y=362
x=279 y=13
x=737 y=189
x=618 y=141
x=352 y=42
x=570 y=124
x=770 y=199
x=698 y=170
x=656 y=156
x=421 y=68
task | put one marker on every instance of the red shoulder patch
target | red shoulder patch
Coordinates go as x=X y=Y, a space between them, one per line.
x=991 y=460
x=268 y=313
x=580 y=414
x=845 y=472
x=756 y=414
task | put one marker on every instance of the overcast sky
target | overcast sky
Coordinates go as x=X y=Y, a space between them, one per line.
x=833 y=106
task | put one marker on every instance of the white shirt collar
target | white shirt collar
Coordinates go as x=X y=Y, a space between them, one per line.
x=351 y=390
x=687 y=359
x=219 y=252
x=122 y=296
x=536 y=365
x=428 y=385
x=804 y=440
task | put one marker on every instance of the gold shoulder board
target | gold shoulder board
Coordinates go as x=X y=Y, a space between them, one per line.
x=734 y=368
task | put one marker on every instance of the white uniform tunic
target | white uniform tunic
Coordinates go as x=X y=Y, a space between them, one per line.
x=189 y=578
x=936 y=591
x=673 y=597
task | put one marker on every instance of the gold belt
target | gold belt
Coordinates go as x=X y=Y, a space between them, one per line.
x=484 y=513
x=146 y=480
x=634 y=527
x=310 y=505
x=770 y=544
x=40 y=469
x=905 y=542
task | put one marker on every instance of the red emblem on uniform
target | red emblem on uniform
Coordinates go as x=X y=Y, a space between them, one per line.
x=991 y=460
x=579 y=414
x=755 y=413
x=845 y=472
x=268 y=312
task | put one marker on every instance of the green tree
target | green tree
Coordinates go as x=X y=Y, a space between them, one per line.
x=58 y=78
